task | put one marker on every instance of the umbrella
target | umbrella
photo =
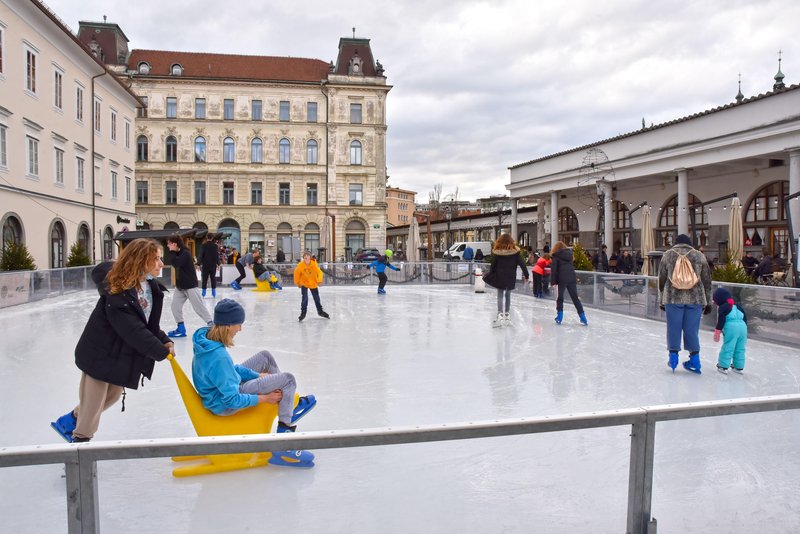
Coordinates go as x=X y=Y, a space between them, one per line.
x=735 y=233
x=326 y=238
x=647 y=239
x=413 y=242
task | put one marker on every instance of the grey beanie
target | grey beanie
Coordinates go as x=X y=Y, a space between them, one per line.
x=228 y=312
x=683 y=239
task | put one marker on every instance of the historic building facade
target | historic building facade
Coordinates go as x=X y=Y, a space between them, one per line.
x=400 y=204
x=261 y=147
x=66 y=140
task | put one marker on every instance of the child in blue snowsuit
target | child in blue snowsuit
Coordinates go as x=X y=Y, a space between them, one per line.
x=732 y=324
x=380 y=266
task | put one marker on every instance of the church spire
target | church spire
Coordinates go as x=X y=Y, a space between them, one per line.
x=739 y=95
x=779 y=76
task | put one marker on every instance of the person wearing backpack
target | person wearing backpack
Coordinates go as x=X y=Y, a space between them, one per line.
x=684 y=291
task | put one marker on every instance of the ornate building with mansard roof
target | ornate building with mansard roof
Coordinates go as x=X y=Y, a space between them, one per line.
x=260 y=147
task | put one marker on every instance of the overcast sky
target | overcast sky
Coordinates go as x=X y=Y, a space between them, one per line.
x=481 y=86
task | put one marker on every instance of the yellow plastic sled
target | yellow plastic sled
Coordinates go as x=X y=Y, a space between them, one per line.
x=263 y=285
x=254 y=420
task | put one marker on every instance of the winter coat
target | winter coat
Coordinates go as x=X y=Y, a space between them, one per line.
x=625 y=264
x=216 y=378
x=247 y=259
x=185 y=275
x=381 y=264
x=468 y=254
x=541 y=266
x=280 y=257
x=209 y=256
x=700 y=293
x=118 y=344
x=479 y=255
x=309 y=276
x=562 y=270
x=505 y=263
x=601 y=262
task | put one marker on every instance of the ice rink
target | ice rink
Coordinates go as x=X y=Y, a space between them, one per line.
x=419 y=355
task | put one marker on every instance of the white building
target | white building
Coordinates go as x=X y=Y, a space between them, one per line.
x=66 y=146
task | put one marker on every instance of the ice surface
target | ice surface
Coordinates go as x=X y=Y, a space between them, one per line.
x=419 y=355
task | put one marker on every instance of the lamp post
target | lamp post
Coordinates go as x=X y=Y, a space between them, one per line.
x=448 y=215
x=299 y=239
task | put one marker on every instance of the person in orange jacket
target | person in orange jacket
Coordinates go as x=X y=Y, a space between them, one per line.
x=539 y=270
x=307 y=275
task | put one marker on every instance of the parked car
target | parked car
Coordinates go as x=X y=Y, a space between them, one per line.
x=368 y=255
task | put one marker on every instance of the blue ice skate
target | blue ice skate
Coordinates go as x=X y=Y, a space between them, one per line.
x=693 y=364
x=65 y=425
x=304 y=405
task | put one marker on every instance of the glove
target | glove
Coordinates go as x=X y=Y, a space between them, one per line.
x=662 y=307
x=707 y=309
x=716 y=335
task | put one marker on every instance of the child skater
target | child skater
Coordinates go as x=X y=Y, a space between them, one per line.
x=539 y=270
x=380 y=266
x=227 y=388
x=265 y=273
x=505 y=260
x=732 y=324
x=562 y=275
x=307 y=275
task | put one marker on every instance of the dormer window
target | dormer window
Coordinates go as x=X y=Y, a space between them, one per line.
x=176 y=70
x=144 y=68
x=355 y=66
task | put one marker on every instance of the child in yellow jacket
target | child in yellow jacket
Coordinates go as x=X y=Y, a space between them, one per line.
x=307 y=275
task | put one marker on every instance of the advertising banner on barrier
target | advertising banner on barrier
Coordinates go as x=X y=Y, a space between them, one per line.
x=14 y=288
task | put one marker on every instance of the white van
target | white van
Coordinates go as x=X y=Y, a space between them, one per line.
x=456 y=252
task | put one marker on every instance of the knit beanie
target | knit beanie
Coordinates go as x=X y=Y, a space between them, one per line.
x=228 y=312
x=721 y=296
x=388 y=253
x=683 y=239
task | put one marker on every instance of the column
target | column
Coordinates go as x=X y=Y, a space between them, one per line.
x=553 y=217
x=794 y=187
x=540 y=231
x=514 y=219
x=608 y=214
x=683 y=202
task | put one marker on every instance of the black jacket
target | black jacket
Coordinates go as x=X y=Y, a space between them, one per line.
x=562 y=270
x=117 y=345
x=185 y=275
x=625 y=264
x=505 y=263
x=209 y=256
x=601 y=262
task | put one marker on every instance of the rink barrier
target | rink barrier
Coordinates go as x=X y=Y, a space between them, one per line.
x=81 y=459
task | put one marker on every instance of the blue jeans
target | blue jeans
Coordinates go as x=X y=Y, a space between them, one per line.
x=683 y=319
x=304 y=298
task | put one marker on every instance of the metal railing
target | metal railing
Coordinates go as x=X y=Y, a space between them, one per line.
x=81 y=459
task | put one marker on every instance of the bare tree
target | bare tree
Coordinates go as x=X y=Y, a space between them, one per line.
x=435 y=200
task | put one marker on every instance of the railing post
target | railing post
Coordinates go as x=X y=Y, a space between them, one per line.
x=640 y=479
x=82 y=501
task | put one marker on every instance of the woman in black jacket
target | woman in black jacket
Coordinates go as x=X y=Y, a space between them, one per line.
x=562 y=274
x=122 y=340
x=505 y=260
x=209 y=261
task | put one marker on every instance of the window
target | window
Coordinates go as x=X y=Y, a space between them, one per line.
x=172 y=149
x=284 y=110
x=283 y=151
x=172 y=107
x=355 y=153
x=108 y=243
x=311 y=194
x=199 y=108
x=311 y=112
x=355 y=113
x=30 y=71
x=356 y=194
x=255 y=110
x=12 y=231
x=141 y=148
x=97 y=116
x=113 y=126
x=144 y=68
x=57 y=246
x=668 y=222
x=256 y=196
x=228 y=150
x=228 y=109
x=311 y=152
x=2 y=48
x=113 y=184
x=171 y=192
x=58 y=89
x=127 y=134
x=227 y=193
x=59 y=166
x=355 y=235
x=176 y=70
x=33 y=157
x=79 y=103
x=284 y=198
x=80 y=164
x=256 y=150
x=142 y=111
x=141 y=192
x=83 y=237
x=127 y=189
x=200 y=149
x=3 y=146
x=311 y=234
x=199 y=192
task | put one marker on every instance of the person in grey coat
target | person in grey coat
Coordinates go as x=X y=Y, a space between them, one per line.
x=684 y=307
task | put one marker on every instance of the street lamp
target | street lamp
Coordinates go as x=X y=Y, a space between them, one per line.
x=448 y=215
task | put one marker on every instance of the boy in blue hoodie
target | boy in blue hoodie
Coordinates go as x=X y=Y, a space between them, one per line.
x=380 y=266
x=732 y=324
x=227 y=388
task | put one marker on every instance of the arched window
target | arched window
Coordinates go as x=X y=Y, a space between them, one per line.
x=355 y=153
x=256 y=151
x=228 y=150
x=284 y=154
x=621 y=223
x=108 y=243
x=172 y=226
x=12 y=230
x=311 y=152
x=311 y=235
x=257 y=237
x=172 y=149
x=176 y=70
x=765 y=219
x=230 y=226
x=144 y=68
x=567 y=226
x=57 y=245
x=355 y=235
x=83 y=238
x=200 y=149
x=141 y=148
x=667 y=229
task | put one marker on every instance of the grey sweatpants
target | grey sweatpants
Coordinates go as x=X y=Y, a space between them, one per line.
x=263 y=362
x=193 y=295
